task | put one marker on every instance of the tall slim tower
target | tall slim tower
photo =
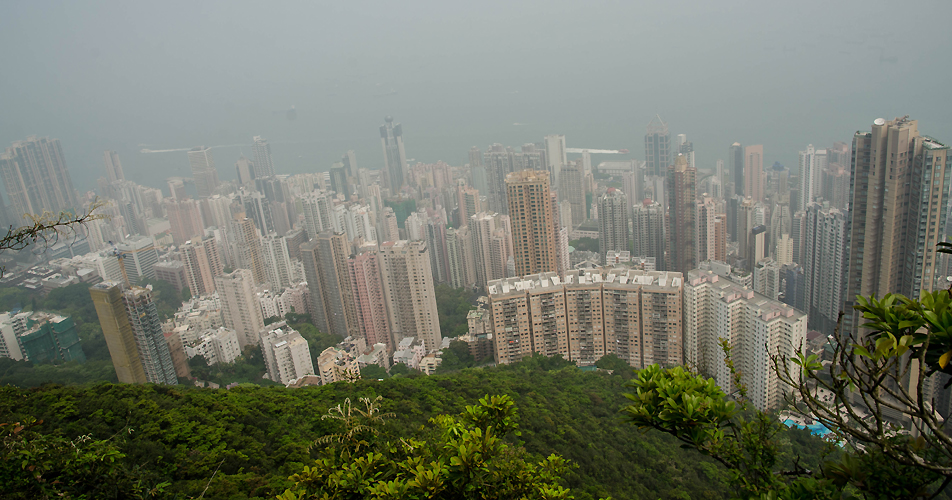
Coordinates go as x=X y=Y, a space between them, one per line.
x=899 y=192
x=261 y=157
x=36 y=179
x=364 y=272
x=239 y=305
x=248 y=249
x=203 y=170
x=754 y=172
x=113 y=167
x=410 y=292
x=395 y=166
x=657 y=147
x=533 y=229
x=246 y=172
x=813 y=164
x=648 y=228
x=613 y=214
x=682 y=216
x=117 y=330
x=555 y=157
x=735 y=163
x=824 y=265
x=332 y=283
x=153 y=349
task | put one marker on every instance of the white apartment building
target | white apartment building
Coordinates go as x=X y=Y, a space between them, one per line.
x=286 y=353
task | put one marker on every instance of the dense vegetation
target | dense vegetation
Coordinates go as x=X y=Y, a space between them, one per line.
x=256 y=437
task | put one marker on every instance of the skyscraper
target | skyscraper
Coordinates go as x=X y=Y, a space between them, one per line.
x=648 y=228
x=113 y=167
x=409 y=292
x=349 y=160
x=572 y=190
x=246 y=172
x=682 y=216
x=185 y=219
x=813 y=163
x=899 y=192
x=498 y=161
x=395 y=166
x=754 y=172
x=36 y=179
x=328 y=279
x=153 y=349
x=248 y=249
x=261 y=157
x=716 y=308
x=117 y=331
x=461 y=261
x=613 y=215
x=468 y=202
x=533 y=228
x=239 y=305
x=133 y=333
x=203 y=262
x=364 y=272
x=735 y=163
x=138 y=258
x=706 y=230
x=203 y=170
x=555 y=156
x=824 y=265
x=657 y=147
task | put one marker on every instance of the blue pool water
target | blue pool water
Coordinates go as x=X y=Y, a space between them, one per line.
x=818 y=429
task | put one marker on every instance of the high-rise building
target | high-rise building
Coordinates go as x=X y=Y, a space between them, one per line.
x=835 y=186
x=203 y=263
x=706 y=229
x=899 y=192
x=261 y=157
x=248 y=248
x=824 y=265
x=409 y=292
x=657 y=147
x=813 y=163
x=613 y=212
x=587 y=314
x=460 y=257
x=36 y=179
x=754 y=172
x=317 y=207
x=277 y=261
x=468 y=202
x=203 y=170
x=286 y=354
x=735 y=163
x=498 y=161
x=395 y=157
x=133 y=333
x=245 y=171
x=153 y=350
x=349 y=160
x=113 y=167
x=185 y=219
x=138 y=258
x=239 y=305
x=572 y=190
x=491 y=246
x=533 y=227
x=328 y=279
x=686 y=148
x=555 y=157
x=755 y=328
x=682 y=215
x=364 y=271
x=173 y=273
x=648 y=228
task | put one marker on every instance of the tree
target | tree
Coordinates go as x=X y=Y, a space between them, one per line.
x=373 y=372
x=466 y=457
x=399 y=369
x=46 y=228
x=876 y=392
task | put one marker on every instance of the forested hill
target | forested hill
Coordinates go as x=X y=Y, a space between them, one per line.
x=258 y=436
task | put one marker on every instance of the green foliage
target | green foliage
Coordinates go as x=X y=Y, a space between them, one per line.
x=585 y=244
x=452 y=305
x=34 y=465
x=373 y=372
x=467 y=458
x=398 y=369
x=167 y=299
x=616 y=365
x=456 y=357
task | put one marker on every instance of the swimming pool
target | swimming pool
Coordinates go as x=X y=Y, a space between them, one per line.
x=818 y=428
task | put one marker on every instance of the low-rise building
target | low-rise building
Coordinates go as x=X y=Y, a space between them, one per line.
x=410 y=352
x=286 y=353
x=337 y=365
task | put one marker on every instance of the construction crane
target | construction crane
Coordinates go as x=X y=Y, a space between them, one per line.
x=115 y=252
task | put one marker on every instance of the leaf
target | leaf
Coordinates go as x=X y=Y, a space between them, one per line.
x=944 y=360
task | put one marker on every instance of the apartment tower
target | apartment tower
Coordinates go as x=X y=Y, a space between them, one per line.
x=533 y=229
x=36 y=179
x=395 y=157
x=409 y=292
x=682 y=216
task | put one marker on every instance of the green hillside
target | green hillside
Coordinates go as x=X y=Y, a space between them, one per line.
x=258 y=436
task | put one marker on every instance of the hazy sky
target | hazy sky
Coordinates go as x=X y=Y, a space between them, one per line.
x=165 y=75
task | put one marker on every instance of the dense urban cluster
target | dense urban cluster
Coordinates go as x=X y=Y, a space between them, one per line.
x=683 y=257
